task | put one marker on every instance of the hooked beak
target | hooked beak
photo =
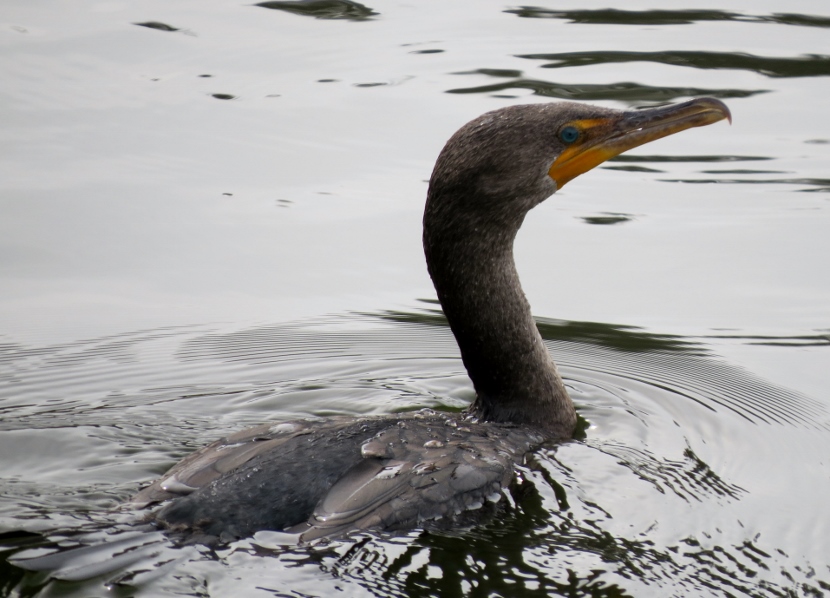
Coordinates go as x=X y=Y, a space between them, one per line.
x=603 y=138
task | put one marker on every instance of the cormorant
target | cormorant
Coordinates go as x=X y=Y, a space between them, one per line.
x=324 y=477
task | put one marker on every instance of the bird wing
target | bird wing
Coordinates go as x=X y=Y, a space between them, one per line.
x=226 y=454
x=417 y=471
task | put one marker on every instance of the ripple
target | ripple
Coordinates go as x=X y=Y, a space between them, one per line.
x=323 y=9
x=607 y=219
x=820 y=339
x=644 y=499
x=158 y=25
x=611 y=16
x=813 y=185
x=394 y=353
x=810 y=65
x=625 y=91
x=688 y=478
x=707 y=158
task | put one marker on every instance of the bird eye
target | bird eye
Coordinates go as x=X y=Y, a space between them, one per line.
x=569 y=134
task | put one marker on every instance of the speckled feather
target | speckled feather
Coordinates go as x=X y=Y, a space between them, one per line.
x=324 y=477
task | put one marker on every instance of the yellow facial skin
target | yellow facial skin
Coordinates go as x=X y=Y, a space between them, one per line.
x=603 y=138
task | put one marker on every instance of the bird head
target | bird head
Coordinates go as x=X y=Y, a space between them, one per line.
x=505 y=162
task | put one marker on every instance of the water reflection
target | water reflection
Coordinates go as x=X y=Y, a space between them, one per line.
x=708 y=158
x=612 y=336
x=691 y=476
x=631 y=93
x=663 y=423
x=684 y=365
x=613 y=16
x=632 y=168
x=820 y=339
x=157 y=25
x=802 y=66
x=813 y=185
x=323 y=9
x=607 y=219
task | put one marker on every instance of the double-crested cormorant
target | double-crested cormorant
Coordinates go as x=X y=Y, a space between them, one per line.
x=328 y=476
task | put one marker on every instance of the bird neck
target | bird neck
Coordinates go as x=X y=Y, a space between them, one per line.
x=471 y=264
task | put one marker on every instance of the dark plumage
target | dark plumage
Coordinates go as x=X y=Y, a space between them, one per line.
x=326 y=477
x=399 y=472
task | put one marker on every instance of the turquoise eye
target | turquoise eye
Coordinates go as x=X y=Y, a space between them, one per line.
x=569 y=134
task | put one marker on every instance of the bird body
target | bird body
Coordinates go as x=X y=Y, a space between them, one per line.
x=329 y=476
x=323 y=477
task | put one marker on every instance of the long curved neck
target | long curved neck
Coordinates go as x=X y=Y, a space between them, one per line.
x=470 y=260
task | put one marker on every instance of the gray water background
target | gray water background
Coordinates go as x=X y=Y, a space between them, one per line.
x=210 y=217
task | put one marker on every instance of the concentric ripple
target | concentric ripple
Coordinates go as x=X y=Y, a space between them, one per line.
x=665 y=491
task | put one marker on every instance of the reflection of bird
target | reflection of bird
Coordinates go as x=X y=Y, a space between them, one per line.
x=324 y=477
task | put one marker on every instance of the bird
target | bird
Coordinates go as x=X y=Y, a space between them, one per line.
x=327 y=477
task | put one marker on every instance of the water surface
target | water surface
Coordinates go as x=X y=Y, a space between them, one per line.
x=211 y=219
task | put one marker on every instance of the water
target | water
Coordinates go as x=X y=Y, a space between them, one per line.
x=218 y=225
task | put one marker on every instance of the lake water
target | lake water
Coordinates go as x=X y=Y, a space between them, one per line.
x=210 y=218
